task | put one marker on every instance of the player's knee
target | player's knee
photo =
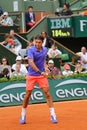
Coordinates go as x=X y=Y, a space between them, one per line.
x=47 y=94
x=28 y=95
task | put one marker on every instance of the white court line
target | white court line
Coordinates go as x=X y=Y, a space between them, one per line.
x=82 y=100
x=60 y=102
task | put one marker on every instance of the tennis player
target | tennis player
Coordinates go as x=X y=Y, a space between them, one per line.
x=36 y=74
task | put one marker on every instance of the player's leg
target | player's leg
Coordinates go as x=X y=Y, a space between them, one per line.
x=26 y=98
x=25 y=103
x=44 y=85
x=30 y=81
x=50 y=104
x=48 y=97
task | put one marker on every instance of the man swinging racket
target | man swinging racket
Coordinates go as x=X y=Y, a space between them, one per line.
x=36 y=74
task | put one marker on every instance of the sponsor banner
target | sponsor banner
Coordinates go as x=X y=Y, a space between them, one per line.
x=80 y=26
x=74 y=26
x=60 y=27
x=12 y=93
x=70 y=89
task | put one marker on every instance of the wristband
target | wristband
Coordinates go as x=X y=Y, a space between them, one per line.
x=39 y=71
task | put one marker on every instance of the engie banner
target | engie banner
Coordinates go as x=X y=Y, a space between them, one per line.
x=12 y=93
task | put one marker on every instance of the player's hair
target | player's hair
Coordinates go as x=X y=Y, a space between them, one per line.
x=39 y=37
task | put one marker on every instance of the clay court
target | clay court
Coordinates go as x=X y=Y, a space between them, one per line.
x=72 y=115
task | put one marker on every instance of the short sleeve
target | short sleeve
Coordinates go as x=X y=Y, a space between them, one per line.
x=30 y=54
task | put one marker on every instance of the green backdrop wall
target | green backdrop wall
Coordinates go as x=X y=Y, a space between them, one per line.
x=7 y=5
x=12 y=93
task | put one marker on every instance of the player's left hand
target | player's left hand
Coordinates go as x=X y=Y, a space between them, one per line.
x=44 y=73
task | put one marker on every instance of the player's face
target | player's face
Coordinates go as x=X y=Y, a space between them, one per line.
x=38 y=44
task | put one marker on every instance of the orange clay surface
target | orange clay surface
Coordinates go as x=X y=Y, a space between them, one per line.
x=72 y=115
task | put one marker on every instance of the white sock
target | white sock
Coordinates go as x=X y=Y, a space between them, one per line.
x=23 y=113
x=52 y=112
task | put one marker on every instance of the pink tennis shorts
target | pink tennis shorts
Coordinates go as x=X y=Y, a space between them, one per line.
x=32 y=80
